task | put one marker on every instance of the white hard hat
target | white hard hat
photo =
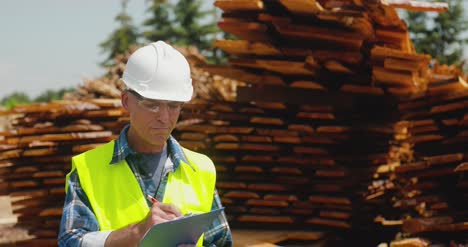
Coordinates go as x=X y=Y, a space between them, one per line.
x=158 y=71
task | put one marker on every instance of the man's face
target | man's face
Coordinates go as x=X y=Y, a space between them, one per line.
x=151 y=121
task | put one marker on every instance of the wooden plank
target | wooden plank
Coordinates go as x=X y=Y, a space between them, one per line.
x=226 y=138
x=303 y=128
x=268 y=187
x=241 y=195
x=410 y=167
x=270 y=105
x=280 y=197
x=349 y=57
x=266 y=120
x=265 y=210
x=46 y=174
x=303 y=7
x=279 y=66
x=444 y=89
x=392 y=77
x=346 y=39
x=257 y=158
x=266 y=203
x=105 y=113
x=401 y=64
x=380 y=52
x=194 y=145
x=410 y=242
x=463 y=167
x=316 y=115
x=85 y=147
x=443 y=159
x=424 y=224
x=239 y=5
x=248 y=169
x=287 y=139
x=329 y=222
x=61 y=137
x=231 y=185
x=318 y=140
x=331 y=173
x=450 y=107
x=252 y=31
x=338 y=68
x=414 y=104
x=252 y=138
x=244 y=47
x=193 y=136
x=241 y=75
x=361 y=89
x=335 y=214
x=307 y=84
x=329 y=200
x=419 y=5
x=266 y=219
x=293 y=96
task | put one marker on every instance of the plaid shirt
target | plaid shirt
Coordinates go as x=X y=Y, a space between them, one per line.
x=79 y=226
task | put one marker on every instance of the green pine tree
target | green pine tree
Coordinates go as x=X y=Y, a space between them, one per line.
x=16 y=98
x=440 y=35
x=160 y=25
x=122 y=38
x=50 y=95
x=195 y=26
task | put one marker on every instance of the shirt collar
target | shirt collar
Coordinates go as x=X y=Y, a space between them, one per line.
x=122 y=149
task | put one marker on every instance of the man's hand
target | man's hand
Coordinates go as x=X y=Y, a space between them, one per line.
x=159 y=213
x=132 y=235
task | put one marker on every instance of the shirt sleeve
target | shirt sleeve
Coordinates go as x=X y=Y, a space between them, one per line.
x=79 y=226
x=219 y=233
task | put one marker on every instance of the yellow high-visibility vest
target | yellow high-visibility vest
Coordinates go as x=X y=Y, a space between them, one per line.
x=117 y=199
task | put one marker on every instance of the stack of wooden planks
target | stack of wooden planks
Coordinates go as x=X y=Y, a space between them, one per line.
x=35 y=157
x=350 y=46
x=313 y=52
x=428 y=165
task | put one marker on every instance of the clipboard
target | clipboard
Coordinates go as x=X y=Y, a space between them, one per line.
x=187 y=229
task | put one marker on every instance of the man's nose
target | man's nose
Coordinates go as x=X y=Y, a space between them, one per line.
x=163 y=113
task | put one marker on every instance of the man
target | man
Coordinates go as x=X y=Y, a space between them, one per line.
x=106 y=202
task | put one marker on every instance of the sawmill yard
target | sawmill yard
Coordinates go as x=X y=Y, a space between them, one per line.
x=328 y=131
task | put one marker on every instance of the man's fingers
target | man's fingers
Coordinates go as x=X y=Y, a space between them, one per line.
x=170 y=209
x=164 y=211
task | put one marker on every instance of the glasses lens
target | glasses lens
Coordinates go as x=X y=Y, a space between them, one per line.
x=155 y=105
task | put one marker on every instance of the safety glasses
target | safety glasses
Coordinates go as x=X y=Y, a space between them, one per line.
x=156 y=105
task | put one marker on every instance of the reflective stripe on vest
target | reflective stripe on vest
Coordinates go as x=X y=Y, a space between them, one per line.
x=117 y=199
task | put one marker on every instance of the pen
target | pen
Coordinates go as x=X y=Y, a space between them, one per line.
x=152 y=199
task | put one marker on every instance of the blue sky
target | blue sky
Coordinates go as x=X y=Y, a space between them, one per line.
x=53 y=44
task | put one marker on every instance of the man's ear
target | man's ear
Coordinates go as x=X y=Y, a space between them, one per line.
x=124 y=99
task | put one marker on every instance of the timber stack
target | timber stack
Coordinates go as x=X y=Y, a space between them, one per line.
x=327 y=125
x=427 y=164
x=35 y=157
x=308 y=54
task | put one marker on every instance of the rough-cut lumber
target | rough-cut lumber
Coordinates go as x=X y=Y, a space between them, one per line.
x=303 y=7
x=244 y=47
x=239 y=5
x=419 y=5
x=347 y=39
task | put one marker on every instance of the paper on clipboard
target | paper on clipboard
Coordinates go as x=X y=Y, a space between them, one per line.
x=185 y=230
